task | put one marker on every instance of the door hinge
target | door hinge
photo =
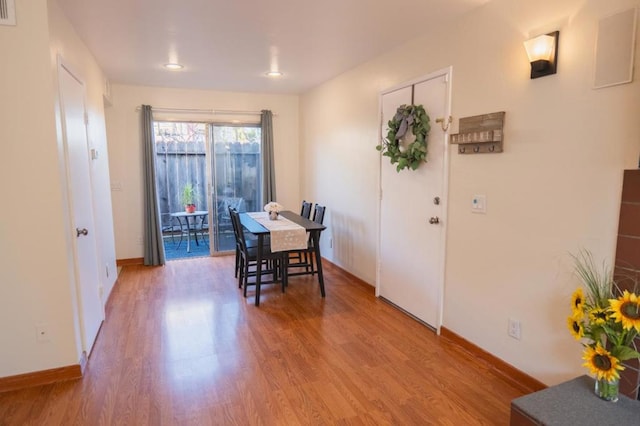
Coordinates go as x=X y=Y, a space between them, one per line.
x=86 y=118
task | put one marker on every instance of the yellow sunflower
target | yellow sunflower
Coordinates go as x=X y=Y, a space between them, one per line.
x=626 y=309
x=598 y=316
x=576 y=327
x=577 y=301
x=601 y=363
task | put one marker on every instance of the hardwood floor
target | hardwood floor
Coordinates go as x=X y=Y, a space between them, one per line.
x=182 y=346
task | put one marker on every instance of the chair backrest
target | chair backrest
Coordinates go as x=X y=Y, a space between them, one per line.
x=231 y=210
x=318 y=214
x=166 y=221
x=306 y=209
x=237 y=229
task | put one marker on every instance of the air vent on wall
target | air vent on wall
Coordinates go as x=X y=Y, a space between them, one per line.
x=7 y=12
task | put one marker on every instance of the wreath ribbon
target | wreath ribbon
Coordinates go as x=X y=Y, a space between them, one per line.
x=405 y=122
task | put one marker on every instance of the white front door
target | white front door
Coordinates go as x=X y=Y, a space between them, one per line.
x=80 y=198
x=411 y=252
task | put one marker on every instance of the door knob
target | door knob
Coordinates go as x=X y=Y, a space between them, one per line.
x=82 y=231
x=434 y=220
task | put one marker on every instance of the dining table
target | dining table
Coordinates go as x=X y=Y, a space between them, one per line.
x=314 y=229
x=187 y=223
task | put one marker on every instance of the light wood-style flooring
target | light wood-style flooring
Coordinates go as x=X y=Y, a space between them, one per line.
x=181 y=346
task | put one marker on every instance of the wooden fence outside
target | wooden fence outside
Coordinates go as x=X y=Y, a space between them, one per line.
x=237 y=174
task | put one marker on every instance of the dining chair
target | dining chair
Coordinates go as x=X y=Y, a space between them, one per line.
x=305 y=211
x=273 y=263
x=251 y=242
x=318 y=214
x=306 y=256
x=236 y=236
x=298 y=257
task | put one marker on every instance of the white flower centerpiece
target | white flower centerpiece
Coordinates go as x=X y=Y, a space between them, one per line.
x=273 y=209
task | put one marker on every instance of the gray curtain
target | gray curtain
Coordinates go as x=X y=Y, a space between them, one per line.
x=268 y=170
x=153 y=247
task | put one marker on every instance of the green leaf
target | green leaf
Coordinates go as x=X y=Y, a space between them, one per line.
x=624 y=353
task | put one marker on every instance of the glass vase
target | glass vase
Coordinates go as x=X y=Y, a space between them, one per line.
x=273 y=215
x=608 y=389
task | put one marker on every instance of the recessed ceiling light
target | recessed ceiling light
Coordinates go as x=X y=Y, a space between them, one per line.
x=274 y=74
x=173 y=66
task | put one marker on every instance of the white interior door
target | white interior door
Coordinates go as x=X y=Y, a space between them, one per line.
x=411 y=262
x=80 y=198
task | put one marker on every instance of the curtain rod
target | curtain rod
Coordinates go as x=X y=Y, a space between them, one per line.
x=204 y=111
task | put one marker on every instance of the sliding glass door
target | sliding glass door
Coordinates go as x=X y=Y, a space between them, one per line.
x=203 y=169
x=236 y=175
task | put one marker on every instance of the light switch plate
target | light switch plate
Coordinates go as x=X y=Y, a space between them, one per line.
x=479 y=204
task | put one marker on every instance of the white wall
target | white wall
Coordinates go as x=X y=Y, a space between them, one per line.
x=123 y=130
x=35 y=280
x=554 y=190
x=36 y=265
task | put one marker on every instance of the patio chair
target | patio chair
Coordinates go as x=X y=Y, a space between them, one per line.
x=169 y=227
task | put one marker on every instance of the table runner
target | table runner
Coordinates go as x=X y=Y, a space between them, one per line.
x=285 y=234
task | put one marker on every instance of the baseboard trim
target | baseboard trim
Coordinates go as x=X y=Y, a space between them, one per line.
x=132 y=261
x=84 y=360
x=517 y=378
x=44 y=377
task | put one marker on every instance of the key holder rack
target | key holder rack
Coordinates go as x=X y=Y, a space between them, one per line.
x=480 y=134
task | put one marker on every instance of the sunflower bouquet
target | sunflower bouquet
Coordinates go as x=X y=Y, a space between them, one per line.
x=606 y=321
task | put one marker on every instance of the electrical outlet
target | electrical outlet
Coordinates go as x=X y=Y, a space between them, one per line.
x=514 y=329
x=42 y=333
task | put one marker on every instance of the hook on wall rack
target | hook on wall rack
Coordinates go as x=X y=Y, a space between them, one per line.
x=482 y=132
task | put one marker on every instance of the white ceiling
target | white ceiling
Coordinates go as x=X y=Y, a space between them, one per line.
x=231 y=44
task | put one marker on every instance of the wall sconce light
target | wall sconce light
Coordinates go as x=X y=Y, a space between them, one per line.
x=543 y=54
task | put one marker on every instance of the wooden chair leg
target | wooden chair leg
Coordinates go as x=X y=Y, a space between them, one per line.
x=306 y=261
x=237 y=262
x=242 y=275
x=245 y=274
x=312 y=260
x=284 y=264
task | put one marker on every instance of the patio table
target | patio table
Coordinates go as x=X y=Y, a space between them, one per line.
x=187 y=224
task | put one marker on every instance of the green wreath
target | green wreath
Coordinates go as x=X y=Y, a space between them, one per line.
x=407 y=117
